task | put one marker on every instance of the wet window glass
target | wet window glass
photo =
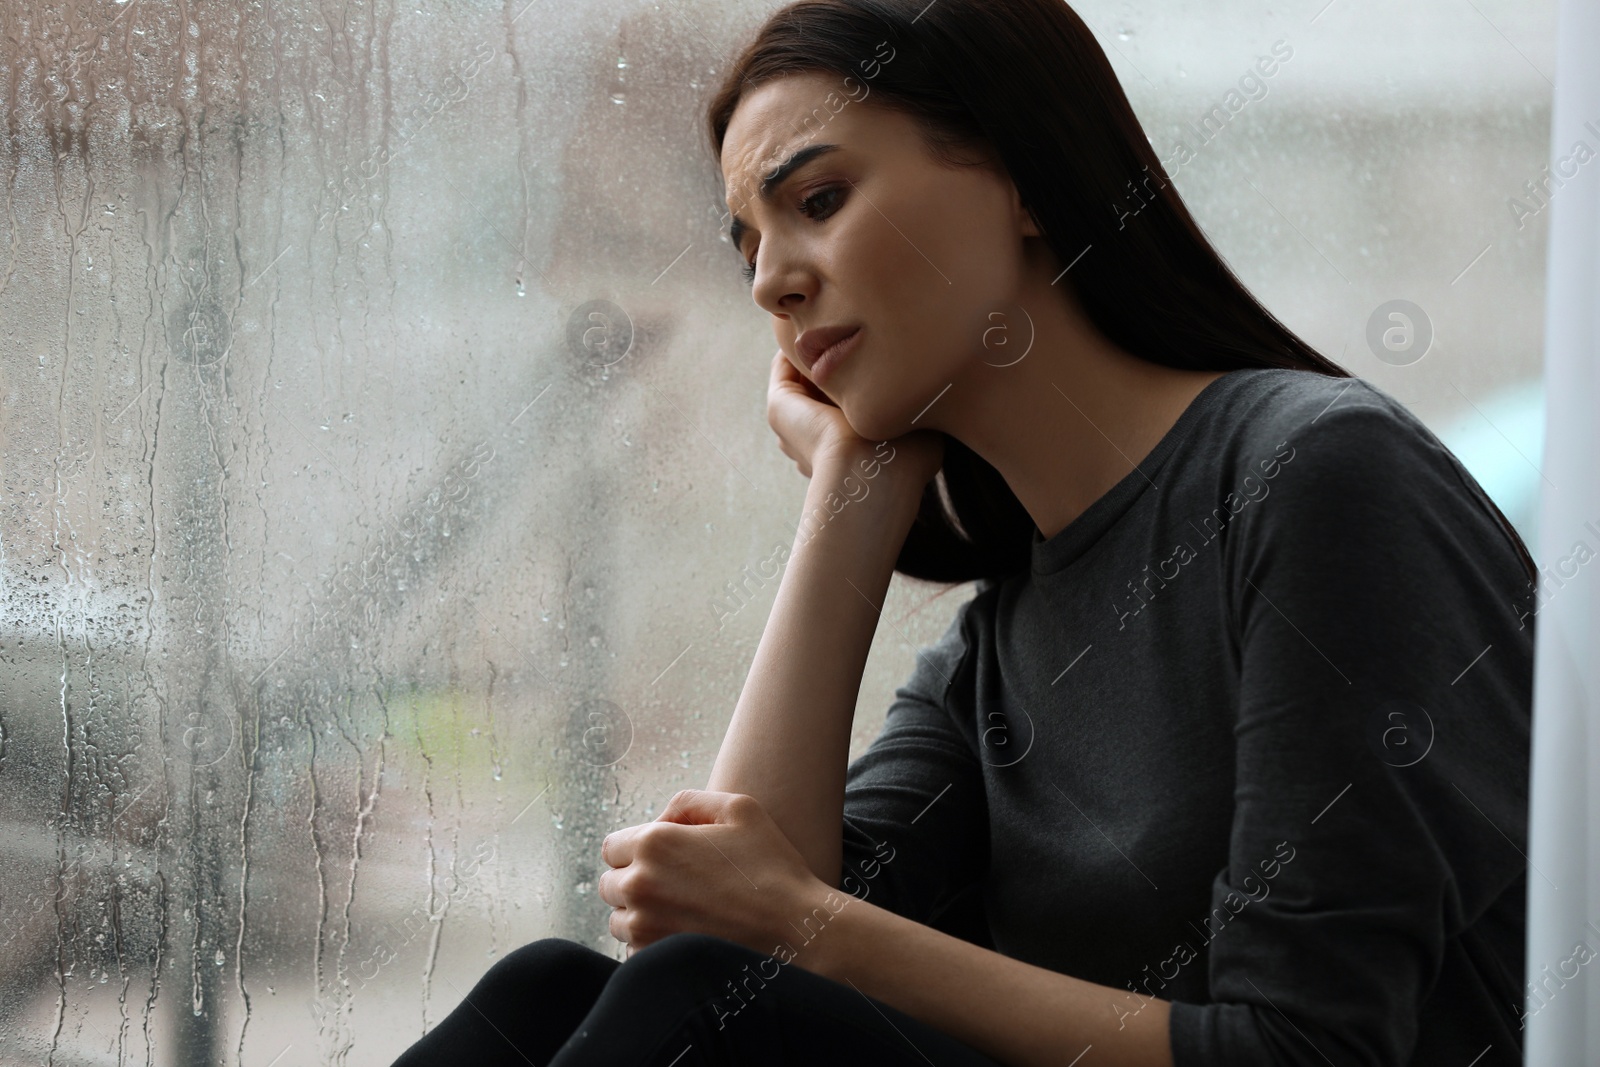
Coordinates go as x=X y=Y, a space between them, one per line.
x=388 y=510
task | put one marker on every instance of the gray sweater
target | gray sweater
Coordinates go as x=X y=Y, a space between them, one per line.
x=1251 y=736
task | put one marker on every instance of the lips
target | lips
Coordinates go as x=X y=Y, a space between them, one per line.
x=811 y=344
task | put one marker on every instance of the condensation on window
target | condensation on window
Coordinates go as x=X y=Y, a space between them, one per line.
x=387 y=508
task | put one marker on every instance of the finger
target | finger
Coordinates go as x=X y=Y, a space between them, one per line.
x=696 y=806
x=785 y=372
x=617 y=848
x=794 y=378
x=603 y=891
x=785 y=380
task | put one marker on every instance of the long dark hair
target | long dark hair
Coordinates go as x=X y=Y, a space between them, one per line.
x=1028 y=79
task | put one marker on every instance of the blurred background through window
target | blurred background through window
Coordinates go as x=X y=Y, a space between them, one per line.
x=388 y=508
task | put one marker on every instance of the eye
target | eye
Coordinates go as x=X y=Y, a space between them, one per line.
x=818 y=195
x=804 y=206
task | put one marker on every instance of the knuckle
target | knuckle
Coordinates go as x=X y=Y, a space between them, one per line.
x=744 y=806
x=629 y=927
x=645 y=927
x=647 y=847
x=642 y=890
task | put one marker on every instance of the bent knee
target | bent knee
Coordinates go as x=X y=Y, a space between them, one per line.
x=689 y=956
x=548 y=956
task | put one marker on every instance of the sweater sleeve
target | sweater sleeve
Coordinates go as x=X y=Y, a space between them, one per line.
x=1376 y=801
x=915 y=817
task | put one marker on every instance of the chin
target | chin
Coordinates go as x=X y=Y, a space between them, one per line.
x=875 y=424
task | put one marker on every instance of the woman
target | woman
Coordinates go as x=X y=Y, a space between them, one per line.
x=1226 y=760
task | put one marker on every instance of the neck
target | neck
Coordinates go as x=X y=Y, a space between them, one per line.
x=1068 y=421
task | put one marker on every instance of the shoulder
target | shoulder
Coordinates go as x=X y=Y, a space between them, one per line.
x=1276 y=405
x=1336 y=473
x=1346 y=443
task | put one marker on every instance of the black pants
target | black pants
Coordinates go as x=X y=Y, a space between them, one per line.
x=688 y=1000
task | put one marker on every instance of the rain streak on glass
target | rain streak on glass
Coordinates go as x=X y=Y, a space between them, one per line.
x=387 y=507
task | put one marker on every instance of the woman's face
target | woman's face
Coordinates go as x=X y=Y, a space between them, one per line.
x=872 y=233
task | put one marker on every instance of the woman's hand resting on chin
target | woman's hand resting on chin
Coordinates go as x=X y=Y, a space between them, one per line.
x=813 y=431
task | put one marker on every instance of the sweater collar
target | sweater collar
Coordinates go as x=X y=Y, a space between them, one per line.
x=1074 y=539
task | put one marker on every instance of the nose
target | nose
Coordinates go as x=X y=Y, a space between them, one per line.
x=783 y=283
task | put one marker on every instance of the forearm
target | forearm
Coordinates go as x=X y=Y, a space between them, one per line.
x=788 y=742
x=1013 y=1012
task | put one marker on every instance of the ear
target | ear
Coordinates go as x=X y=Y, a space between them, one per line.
x=1027 y=225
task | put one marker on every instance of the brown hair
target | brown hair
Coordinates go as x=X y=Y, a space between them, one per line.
x=1027 y=78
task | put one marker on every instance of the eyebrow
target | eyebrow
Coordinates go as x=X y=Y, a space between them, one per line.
x=769 y=184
